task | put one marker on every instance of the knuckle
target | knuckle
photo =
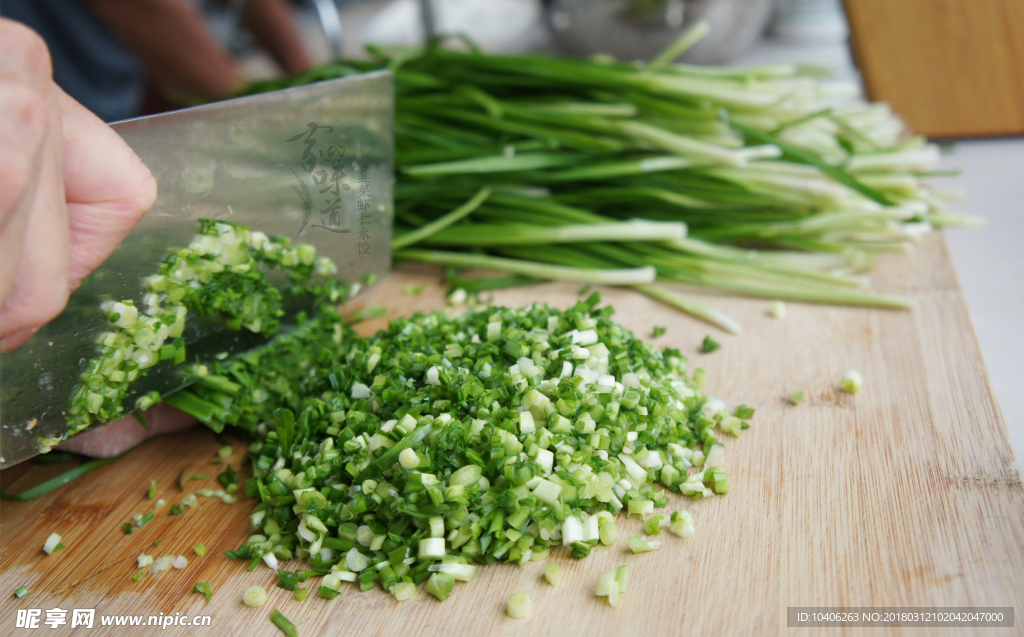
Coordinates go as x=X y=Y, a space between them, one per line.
x=29 y=47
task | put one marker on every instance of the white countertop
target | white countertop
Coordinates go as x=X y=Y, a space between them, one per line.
x=990 y=265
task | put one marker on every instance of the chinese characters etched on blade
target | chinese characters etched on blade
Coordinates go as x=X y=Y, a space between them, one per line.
x=363 y=205
x=322 y=162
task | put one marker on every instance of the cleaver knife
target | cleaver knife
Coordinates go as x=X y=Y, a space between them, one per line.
x=313 y=163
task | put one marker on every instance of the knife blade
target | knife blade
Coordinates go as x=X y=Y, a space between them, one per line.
x=313 y=163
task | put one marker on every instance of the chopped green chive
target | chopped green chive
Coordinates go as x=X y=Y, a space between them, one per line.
x=797 y=397
x=20 y=592
x=709 y=345
x=144 y=520
x=58 y=481
x=653 y=525
x=440 y=585
x=282 y=622
x=852 y=382
x=52 y=544
x=199 y=476
x=286 y=580
x=199 y=548
x=519 y=606
x=204 y=589
x=327 y=593
x=254 y=596
x=658 y=331
x=299 y=594
x=552 y=575
x=181 y=477
x=127 y=527
x=224 y=452
x=152 y=490
x=744 y=412
x=638 y=545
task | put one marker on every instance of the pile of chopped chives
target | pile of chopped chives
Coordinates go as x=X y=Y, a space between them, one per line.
x=450 y=440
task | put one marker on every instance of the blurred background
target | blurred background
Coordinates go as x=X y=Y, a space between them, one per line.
x=953 y=69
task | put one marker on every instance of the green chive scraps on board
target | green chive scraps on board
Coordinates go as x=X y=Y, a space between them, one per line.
x=204 y=589
x=59 y=481
x=709 y=345
x=282 y=622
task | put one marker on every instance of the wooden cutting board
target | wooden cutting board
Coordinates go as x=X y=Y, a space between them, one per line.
x=906 y=494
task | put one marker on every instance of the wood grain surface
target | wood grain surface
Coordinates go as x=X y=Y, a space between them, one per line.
x=906 y=494
x=951 y=68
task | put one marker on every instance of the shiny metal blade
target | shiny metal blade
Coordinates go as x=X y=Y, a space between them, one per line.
x=315 y=163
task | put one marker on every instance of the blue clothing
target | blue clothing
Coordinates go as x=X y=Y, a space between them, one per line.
x=89 y=62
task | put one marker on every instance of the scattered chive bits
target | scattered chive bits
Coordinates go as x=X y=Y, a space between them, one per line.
x=254 y=596
x=204 y=589
x=181 y=477
x=553 y=575
x=797 y=397
x=638 y=545
x=152 y=490
x=612 y=584
x=519 y=606
x=299 y=594
x=852 y=382
x=709 y=345
x=199 y=548
x=52 y=544
x=440 y=585
x=658 y=331
x=20 y=592
x=777 y=309
x=224 y=452
x=287 y=580
x=284 y=624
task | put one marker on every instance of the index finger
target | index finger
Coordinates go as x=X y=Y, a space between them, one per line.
x=108 y=188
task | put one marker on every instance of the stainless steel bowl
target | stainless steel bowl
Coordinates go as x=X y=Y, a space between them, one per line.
x=640 y=29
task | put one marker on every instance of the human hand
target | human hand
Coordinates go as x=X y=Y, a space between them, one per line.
x=114 y=438
x=70 y=191
x=70 y=188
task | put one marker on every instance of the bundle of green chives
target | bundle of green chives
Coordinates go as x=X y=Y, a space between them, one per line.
x=763 y=181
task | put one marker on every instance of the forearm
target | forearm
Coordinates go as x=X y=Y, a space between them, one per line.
x=273 y=24
x=173 y=44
